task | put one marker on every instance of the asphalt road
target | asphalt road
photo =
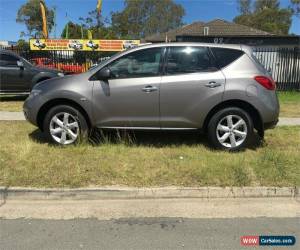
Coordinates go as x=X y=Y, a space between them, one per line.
x=141 y=233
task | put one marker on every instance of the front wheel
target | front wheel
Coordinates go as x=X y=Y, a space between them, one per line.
x=230 y=129
x=65 y=125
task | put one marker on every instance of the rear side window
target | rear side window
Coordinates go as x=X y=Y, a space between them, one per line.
x=226 y=56
x=183 y=60
x=8 y=60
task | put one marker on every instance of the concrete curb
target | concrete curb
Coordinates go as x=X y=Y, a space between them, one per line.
x=11 y=116
x=18 y=193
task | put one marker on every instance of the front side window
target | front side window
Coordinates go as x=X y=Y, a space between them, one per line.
x=141 y=63
x=8 y=60
x=183 y=60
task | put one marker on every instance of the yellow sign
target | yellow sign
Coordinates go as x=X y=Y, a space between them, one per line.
x=82 y=44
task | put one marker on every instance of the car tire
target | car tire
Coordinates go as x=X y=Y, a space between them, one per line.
x=64 y=124
x=230 y=129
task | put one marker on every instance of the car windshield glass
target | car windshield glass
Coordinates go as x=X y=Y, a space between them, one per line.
x=29 y=63
x=104 y=61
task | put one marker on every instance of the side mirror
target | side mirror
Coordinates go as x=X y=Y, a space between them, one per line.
x=20 y=64
x=103 y=74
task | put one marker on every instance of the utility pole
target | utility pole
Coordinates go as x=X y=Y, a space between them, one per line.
x=54 y=9
x=67 y=28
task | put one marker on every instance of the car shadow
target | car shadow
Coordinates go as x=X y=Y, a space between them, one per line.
x=158 y=139
x=148 y=138
x=135 y=138
x=38 y=136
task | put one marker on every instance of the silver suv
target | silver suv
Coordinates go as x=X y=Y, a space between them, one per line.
x=221 y=89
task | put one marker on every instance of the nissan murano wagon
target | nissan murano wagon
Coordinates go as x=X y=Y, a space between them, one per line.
x=221 y=89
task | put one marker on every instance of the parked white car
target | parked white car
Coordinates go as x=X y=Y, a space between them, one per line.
x=39 y=44
x=129 y=44
x=74 y=44
x=92 y=45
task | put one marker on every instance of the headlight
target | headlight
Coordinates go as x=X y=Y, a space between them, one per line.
x=60 y=74
x=35 y=92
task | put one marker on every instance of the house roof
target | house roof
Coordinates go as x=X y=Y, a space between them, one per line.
x=217 y=27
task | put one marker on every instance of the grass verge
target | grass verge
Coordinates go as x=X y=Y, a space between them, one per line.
x=289 y=104
x=146 y=159
x=11 y=103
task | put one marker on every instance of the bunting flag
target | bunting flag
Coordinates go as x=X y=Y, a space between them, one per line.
x=90 y=36
x=43 y=11
x=99 y=6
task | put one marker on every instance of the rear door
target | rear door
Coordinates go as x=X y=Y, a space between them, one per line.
x=190 y=87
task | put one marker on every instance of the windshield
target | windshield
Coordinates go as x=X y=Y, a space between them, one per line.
x=27 y=62
x=99 y=64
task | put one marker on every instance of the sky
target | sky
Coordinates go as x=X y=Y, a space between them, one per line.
x=196 y=10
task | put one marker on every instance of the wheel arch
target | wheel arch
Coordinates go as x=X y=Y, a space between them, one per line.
x=43 y=78
x=39 y=78
x=246 y=106
x=60 y=101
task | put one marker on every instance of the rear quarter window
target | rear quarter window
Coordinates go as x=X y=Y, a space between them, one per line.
x=225 y=57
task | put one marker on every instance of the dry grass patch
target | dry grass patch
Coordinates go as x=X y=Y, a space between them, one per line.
x=11 y=103
x=147 y=159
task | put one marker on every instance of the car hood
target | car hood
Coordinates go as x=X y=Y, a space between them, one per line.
x=68 y=82
x=45 y=69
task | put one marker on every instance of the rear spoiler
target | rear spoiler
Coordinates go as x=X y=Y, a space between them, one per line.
x=247 y=49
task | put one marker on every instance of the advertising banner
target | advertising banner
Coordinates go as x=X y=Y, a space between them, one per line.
x=82 y=44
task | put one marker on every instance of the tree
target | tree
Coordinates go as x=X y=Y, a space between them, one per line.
x=146 y=17
x=295 y=7
x=268 y=16
x=22 y=45
x=244 y=6
x=95 y=23
x=74 y=31
x=94 y=19
x=30 y=14
x=266 y=4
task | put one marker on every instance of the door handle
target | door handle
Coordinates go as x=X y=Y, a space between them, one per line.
x=149 y=89
x=213 y=84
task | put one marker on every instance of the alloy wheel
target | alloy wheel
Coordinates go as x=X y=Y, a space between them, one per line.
x=64 y=128
x=231 y=131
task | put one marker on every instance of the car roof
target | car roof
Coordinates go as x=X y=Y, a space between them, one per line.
x=8 y=52
x=174 y=44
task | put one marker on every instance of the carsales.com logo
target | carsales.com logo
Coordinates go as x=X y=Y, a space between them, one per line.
x=252 y=240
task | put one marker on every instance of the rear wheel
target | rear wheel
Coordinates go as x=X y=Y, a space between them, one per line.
x=65 y=125
x=230 y=129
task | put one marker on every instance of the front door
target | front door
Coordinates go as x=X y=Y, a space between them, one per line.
x=13 y=78
x=130 y=98
x=191 y=86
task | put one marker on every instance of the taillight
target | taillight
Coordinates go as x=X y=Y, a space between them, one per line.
x=266 y=82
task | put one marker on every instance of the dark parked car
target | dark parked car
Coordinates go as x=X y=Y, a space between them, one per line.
x=220 y=89
x=17 y=75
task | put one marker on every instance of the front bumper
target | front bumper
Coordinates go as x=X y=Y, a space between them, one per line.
x=270 y=125
x=31 y=107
